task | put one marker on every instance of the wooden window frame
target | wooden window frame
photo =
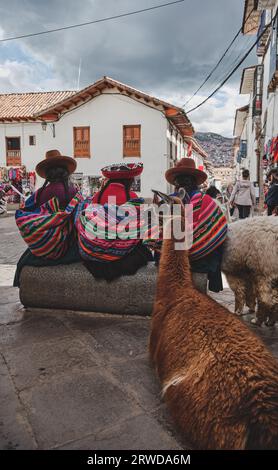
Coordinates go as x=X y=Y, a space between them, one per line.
x=88 y=154
x=33 y=137
x=17 y=160
x=136 y=153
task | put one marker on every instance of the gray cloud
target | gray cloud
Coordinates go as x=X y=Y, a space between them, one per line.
x=167 y=51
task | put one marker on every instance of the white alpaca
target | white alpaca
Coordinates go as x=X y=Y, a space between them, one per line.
x=250 y=262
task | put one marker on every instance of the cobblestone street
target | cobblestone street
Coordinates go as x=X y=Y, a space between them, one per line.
x=77 y=380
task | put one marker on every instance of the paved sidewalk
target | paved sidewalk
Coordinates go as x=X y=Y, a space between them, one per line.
x=77 y=381
x=80 y=381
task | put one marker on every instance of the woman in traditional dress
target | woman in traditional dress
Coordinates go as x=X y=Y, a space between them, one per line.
x=56 y=169
x=209 y=222
x=46 y=221
x=110 y=256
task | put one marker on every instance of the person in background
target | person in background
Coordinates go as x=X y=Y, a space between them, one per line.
x=229 y=190
x=219 y=198
x=3 y=202
x=257 y=192
x=213 y=192
x=56 y=170
x=271 y=198
x=243 y=195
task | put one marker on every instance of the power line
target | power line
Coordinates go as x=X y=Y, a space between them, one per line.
x=228 y=67
x=100 y=20
x=219 y=61
x=237 y=66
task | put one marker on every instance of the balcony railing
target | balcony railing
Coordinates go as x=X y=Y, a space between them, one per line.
x=13 y=157
x=258 y=91
x=261 y=46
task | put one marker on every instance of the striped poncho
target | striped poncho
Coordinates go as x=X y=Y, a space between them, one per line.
x=101 y=230
x=47 y=230
x=209 y=226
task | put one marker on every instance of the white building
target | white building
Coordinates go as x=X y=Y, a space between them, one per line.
x=223 y=177
x=256 y=124
x=104 y=123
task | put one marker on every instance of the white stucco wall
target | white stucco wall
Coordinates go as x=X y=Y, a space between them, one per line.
x=106 y=115
x=270 y=100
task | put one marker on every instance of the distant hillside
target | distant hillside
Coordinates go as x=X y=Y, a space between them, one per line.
x=218 y=148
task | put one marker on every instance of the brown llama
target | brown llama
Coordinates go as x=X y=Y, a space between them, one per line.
x=218 y=379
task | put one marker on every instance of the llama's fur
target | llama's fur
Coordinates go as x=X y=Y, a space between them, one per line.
x=250 y=262
x=218 y=379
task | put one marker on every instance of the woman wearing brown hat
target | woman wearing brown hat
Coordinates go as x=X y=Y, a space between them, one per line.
x=56 y=169
x=209 y=222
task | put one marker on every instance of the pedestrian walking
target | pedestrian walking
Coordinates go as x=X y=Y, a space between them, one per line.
x=243 y=195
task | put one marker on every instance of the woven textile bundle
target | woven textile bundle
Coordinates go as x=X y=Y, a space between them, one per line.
x=47 y=230
x=209 y=226
x=101 y=230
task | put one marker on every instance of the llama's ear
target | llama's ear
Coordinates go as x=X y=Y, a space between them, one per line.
x=182 y=193
x=184 y=196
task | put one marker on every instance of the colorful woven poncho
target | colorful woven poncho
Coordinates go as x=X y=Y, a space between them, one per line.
x=209 y=226
x=101 y=230
x=47 y=230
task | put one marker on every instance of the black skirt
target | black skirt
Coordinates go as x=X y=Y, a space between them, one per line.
x=126 y=266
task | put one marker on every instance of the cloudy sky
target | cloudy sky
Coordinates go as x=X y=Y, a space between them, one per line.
x=166 y=52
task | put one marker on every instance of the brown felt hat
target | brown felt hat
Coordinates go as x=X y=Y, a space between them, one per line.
x=186 y=166
x=54 y=158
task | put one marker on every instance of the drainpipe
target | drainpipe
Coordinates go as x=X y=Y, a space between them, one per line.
x=260 y=171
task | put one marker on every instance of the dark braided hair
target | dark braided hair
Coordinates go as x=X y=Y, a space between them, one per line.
x=55 y=175
x=127 y=183
x=188 y=182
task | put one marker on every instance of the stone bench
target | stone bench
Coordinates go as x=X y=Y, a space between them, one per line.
x=72 y=287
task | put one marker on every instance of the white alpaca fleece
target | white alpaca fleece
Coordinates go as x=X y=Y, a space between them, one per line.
x=252 y=245
x=250 y=262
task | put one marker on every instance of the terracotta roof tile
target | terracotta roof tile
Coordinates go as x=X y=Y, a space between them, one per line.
x=21 y=106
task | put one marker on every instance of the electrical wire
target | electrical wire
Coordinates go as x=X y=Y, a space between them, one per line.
x=219 y=61
x=101 y=20
x=237 y=66
x=225 y=70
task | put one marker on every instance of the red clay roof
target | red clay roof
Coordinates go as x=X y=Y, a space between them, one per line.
x=172 y=112
x=52 y=105
x=23 y=106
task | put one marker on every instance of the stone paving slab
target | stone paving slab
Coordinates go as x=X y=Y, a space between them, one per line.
x=140 y=432
x=31 y=331
x=11 y=244
x=72 y=406
x=72 y=380
x=37 y=363
x=15 y=430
